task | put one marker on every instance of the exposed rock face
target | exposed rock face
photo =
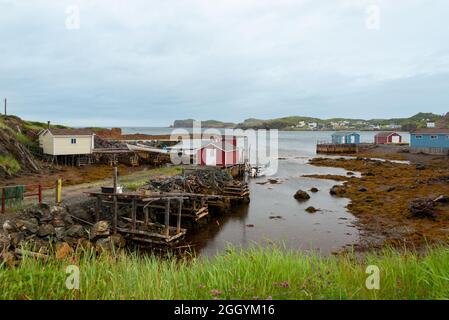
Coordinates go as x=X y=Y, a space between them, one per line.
x=301 y=195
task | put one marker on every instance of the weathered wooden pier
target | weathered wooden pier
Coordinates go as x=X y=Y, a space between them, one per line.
x=336 y=148
x=147 y=217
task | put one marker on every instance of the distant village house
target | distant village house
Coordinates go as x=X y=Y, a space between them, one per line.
x=346 y=138
x=387 y=138
x=430 y=141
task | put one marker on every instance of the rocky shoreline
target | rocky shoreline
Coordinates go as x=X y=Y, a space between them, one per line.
x=396 y=204
x=45 y=230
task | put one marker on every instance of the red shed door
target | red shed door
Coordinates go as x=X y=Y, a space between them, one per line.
x=211 y=157
x=395 y=139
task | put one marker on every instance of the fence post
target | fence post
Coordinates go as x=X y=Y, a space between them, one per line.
x=39 y=193
x=58 y=191
x=3 y=200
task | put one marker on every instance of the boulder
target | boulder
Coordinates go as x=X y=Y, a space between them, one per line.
x=301 y=195
x=311 y=210
x=76 y=231
x=16 y=238
x=31 y=226
x=100 y=229
x=337 y=191
x=420 y=166
x=422 y=208
x=9 y=227
x=314 y=190
x=46 y=230
x=115 y=241
x=362 y=189
x=118 y=240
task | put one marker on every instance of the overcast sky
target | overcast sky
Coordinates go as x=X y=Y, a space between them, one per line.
x=147 y=63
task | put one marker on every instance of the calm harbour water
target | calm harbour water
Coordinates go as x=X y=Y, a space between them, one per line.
x=327 y=230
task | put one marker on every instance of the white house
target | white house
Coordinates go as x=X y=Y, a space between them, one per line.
x=430 y=124
x=59 y=142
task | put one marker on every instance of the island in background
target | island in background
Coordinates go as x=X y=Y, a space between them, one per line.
x=293 y=123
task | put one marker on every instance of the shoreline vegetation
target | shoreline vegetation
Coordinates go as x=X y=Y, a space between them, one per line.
x=257 y=273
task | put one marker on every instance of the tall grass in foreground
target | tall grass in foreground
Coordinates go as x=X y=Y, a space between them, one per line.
x=254 y=274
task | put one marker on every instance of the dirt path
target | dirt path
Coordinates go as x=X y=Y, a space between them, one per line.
x=74 y=194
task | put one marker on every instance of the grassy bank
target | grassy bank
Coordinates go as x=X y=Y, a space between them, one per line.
x=9 y=164
x=254 y=274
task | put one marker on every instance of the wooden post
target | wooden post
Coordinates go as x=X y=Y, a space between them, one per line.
x=178 y=224
x=167 y=218
x=58 y=192
x=5 y=107
x=115 y=217
x=3 y=200
x=146 y=215
x=134 y=215
x=39 y=193
x=98 y=209
x=115 y=179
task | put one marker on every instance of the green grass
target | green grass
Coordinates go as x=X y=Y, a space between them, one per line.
x=9 y=164
x=253 y=274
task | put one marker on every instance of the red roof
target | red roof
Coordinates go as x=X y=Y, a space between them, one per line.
x=385 y=134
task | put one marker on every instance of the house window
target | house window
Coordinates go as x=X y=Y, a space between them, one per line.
x=418 y=137
x=73 y=141
x=433 y=137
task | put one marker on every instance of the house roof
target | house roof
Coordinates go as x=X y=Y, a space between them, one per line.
x=385 y=134
x=69 y=132
x=431 y=131
x=225 y=146
x=345 y=133
x=190 y=145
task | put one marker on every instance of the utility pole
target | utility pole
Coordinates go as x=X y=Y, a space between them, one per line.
x=5 y=108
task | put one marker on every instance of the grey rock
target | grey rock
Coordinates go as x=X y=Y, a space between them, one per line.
x=100 y=229
x=46 y=230
x=76 y=231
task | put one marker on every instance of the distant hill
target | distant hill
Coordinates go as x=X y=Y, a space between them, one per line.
x=419 y=120
x=188 y=123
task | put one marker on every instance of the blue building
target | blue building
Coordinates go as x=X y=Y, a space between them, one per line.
x=346 y=138
x=430 y=141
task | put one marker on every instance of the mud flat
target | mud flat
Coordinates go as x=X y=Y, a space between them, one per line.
x=386 y=195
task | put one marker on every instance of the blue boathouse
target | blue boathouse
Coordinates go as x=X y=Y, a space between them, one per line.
x=430 y=141
x=346 y=138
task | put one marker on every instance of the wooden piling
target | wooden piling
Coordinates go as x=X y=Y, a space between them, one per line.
x=167 y=218
x=115 y=216
x=133 y=215
x=178 y=224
